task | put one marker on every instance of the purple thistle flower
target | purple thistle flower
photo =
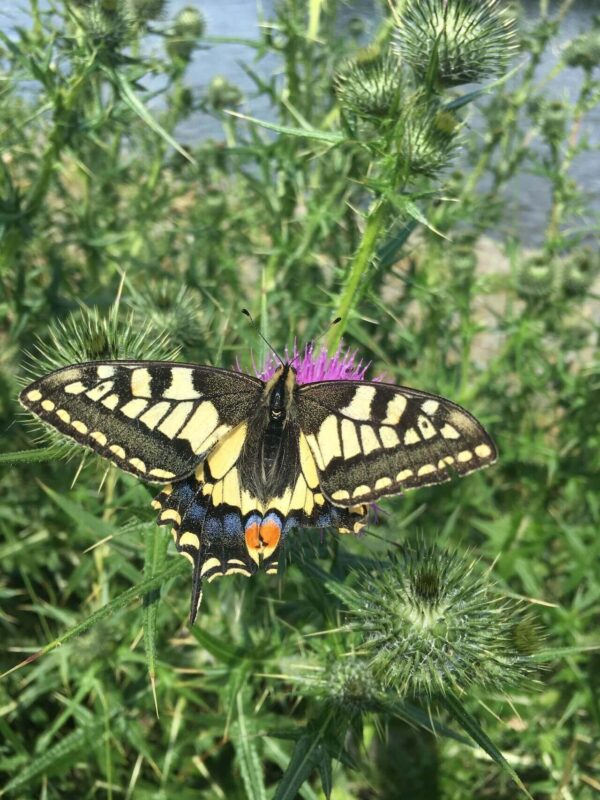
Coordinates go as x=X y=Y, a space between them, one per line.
x=313 y=366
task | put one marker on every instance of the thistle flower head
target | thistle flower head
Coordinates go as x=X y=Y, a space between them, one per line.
x=584 y=50
x=467 y=40
x=314 y=365
x=426 y=139
x=168 y=307
x=348 y=683
x=431 y=624
x=370 y=84
x=188 y=28
x=537 y=277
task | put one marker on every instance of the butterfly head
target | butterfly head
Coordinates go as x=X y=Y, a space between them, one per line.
x=279 y=391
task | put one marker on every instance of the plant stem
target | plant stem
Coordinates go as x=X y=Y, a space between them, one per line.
x=364 y=255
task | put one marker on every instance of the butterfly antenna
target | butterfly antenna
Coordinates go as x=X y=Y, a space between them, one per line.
x=269 y=345
x=315 y=341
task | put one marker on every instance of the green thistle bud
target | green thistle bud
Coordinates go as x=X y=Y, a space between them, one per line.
x=87 y=336
x=579 y=272
x=143 y=11
x=584 y=51
x=537 y=277
x=348 y=684
x=369 y=85
x=426 y=139
x=469 y=40
x=431 y=624
x=107 y=25
x=188 y=28
x=167 y=307
x=223 y=94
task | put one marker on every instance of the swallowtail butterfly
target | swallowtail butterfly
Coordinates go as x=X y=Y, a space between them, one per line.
x=242 y=461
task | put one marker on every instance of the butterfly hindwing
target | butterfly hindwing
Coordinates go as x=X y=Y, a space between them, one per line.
x=374 y=439
x=156 y=420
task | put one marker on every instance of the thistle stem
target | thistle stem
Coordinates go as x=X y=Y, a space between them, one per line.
x=364 y=255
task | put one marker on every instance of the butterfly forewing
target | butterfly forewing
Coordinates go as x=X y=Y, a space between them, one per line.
x=156 y=420
x=375 y=439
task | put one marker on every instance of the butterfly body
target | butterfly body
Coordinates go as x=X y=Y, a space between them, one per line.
x=243 y=461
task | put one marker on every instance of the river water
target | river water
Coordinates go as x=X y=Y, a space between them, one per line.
x=528 y=193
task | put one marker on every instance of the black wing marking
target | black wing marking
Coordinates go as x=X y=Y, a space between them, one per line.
x=374 y=439
x=154 y=419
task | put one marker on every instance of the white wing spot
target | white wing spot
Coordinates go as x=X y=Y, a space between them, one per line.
x=341 y=494
x=140 y=383
x=105 y=371
x=448 y=432
x=34 y=395
x=98 y=392
x=162 y=473
x=329 y=440
x=411 y=436
x=138 y=464
x=430 y=407
x=426 y=428
x=111 y=402
x=360 y=405
x=482 y=450
x=350 y=442
x=182 y=385
x=134 y=408
x=426 y=469
x=80 y=426
x=394 y=410
x=369 y=439
x=75 y=388
x=154 y=414
x=117 y=450
x=99 y=437
x=464 y=455
x=48 y=405
x=402 y=476
x=389 y=437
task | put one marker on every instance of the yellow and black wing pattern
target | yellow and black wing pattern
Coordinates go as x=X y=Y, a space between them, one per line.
x=156 y=420
x=236 y=478
x=374 y=439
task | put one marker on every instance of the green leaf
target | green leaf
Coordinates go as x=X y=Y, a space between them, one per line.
x=69 y=744
x=305 y=132
x=247 y=755
x=472 y=727
x=177 y=567
x=51 y=453
x=305 y=757
x=83 y=519
x=409 y=208
x=469 y=97
x=130 y=98
x=156 y=553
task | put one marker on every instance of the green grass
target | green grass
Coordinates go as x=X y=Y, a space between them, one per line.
x=271 y=694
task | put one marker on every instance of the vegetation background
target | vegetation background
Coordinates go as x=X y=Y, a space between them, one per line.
x=373 y=215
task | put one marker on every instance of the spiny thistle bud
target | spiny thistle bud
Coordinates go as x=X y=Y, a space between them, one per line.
x=188 y=28
x=426 y=139
x=431 y=624
x=467 y=40
x=584 y=51
x=222 y=94
x=579 y=272
x=349 y=684
x=107 y=25
x=370 y=85
x=537 y=277
x=167 y=307
x=87 y=336
x=143 y=11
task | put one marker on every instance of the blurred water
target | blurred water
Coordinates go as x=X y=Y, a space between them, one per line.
x=529 y=193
